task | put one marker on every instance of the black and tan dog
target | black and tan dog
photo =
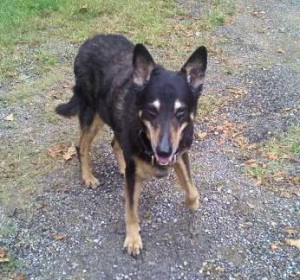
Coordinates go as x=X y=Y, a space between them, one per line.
x=150 y=110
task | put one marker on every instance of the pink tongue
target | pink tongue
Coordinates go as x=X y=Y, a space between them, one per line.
x=163 y=160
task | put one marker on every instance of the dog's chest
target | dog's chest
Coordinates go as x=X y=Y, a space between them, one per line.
x=145 y=170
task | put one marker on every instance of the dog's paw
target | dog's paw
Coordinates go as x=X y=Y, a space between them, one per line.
x=133 y=244
x=192 y=203
x=91 y=182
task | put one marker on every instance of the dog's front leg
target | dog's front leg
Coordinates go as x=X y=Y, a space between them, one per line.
x=133 y=241
x=182 y=169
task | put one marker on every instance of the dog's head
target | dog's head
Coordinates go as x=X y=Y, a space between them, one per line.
x=167 y=100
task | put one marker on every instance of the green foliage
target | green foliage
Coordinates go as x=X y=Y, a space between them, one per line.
x=288 y=142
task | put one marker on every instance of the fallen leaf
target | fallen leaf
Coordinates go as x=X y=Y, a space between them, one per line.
x=275 y=246
x=296 y=180
x=252 y=206
x=293 y=242
x=246 y=225
x=252 y=146
x=71 y=152
x=201 y=135
x=272 y=156
x=2 y=253
x=59 y=236
x=280 y=51
x=9 y=117
x=286 y=156
x=19 y=276
x=3 y=256
x=291 y=230
x=250 y=161
x=257 y=183
x=55 y=150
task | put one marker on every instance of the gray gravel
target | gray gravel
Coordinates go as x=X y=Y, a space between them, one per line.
x=231 y=234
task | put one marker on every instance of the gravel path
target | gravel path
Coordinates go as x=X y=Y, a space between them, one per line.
x=238 y=231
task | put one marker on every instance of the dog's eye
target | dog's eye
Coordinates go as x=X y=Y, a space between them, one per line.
x=152 y=111
x=180 y=113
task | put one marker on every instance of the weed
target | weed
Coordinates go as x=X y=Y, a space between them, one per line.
x=276 y=163
x=287 y=143
x=207 y=105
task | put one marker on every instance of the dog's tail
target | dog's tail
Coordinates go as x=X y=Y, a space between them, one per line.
x=69 y=109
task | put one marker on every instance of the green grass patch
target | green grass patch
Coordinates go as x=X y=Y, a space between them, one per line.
x=220 y=12
x=286 y=144
x=25 y=25
x=208 y=103
x=30 y=23
x=276 y=167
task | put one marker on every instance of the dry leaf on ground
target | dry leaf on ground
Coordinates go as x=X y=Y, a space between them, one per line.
x=9 y=117
x=257 y=182
x=71 y=152
x=275 y=246
x=251 y=163
x=55 y=150
x=201 y=135
x=271 y=156
x=293 y=242
x=3 y=256
x=292 y=230
x=19 y=276
x=59 y=236
x=63 y=151
x=280 y=51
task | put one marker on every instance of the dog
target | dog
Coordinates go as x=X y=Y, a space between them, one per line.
x=150 y=110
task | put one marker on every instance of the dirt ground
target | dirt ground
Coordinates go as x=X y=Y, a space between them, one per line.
x=244 y=228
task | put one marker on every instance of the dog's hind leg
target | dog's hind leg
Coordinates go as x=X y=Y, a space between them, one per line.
x=182 y=169
x=88 y=133
x=119 y=155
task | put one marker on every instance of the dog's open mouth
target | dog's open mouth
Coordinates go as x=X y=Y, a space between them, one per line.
x=163 y=161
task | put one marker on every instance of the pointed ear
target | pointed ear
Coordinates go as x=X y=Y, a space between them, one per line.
x=195 y=68
x=143 y=65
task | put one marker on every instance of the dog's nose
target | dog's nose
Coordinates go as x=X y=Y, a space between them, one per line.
x=164 y=149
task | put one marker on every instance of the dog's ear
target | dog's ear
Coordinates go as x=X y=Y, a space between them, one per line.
x=143 y=65
x=194 y=69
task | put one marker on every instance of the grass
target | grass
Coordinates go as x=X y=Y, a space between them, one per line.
x=276 y=165
x=28 y=24
x=208 y=104
x=288 y=143
x=31 y=23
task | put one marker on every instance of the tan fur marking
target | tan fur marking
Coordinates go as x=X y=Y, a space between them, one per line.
x=133 y=241
x=152 y=133
x=85 y=141
x=192 y=195
x=145 y=171
x=176 y=135
x=119 y=156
